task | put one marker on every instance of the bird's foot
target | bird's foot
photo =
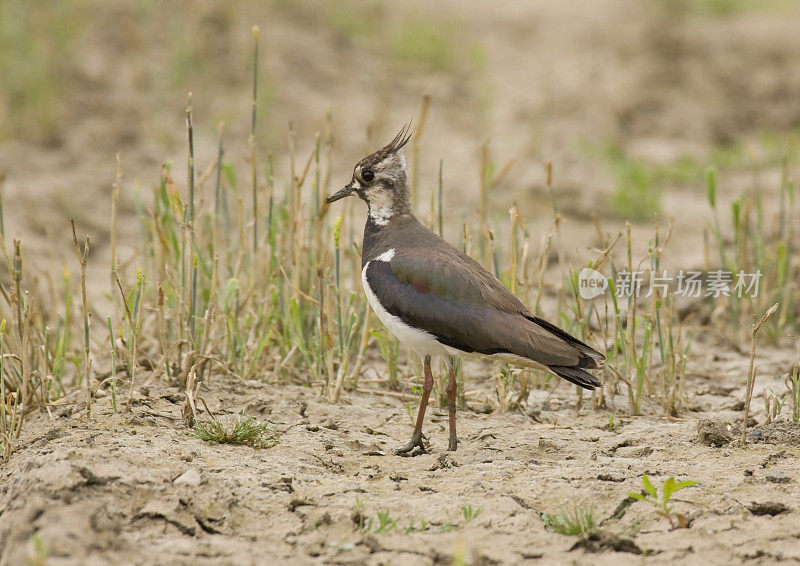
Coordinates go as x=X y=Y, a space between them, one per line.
x=453 y=445
x=415 y=442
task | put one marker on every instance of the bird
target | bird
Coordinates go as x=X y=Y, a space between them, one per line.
x=439 y=301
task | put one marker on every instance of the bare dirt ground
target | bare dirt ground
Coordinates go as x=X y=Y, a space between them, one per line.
x=138 y=488
x=547 y=79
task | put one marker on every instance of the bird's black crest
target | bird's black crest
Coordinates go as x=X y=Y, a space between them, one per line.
x=399 y=141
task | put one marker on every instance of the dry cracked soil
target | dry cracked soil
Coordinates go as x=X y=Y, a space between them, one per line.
x=138 y=487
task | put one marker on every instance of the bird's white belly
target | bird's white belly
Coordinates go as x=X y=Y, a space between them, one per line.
x=421 y=342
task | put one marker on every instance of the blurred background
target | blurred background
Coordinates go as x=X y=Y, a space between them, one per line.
x=630 y=100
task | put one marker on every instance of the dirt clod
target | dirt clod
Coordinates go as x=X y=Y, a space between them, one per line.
x=299 y=502
x=777 y=476
x=622 y=508
x=777 y=432
x=609 y=477
x=714 y=432
x=599 y=541
x=771 y=508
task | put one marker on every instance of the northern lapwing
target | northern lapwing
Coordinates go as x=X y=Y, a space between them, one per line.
x=439 y=301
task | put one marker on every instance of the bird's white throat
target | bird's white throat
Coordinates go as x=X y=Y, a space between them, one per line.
x=381 y=216
x=381 y=207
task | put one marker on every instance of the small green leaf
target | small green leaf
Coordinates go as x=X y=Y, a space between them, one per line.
x=649 y=486
x=637 y=496
x=711 y=186
x=668 y=489
x=736 y=211
x=687 y=483
x=227 y=170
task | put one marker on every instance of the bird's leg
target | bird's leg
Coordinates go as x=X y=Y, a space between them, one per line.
x=416 y=436
x=451 y=402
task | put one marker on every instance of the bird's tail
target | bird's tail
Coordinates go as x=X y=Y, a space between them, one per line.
x=576 y=375
x=589 y=358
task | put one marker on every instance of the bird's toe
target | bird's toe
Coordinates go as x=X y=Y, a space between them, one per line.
x=414 y=443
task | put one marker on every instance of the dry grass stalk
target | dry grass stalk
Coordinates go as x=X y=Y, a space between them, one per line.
x=114 y=206
x=190 y=406
x=6 y=427
x=87 y=361
x=751 y=369
x=134 y=332
x=423 y=116
x=252 y=140
x=541 y=269
x=355 y=374
x=557 y=219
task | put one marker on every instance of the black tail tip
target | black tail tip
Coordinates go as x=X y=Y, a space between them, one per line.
x=577 y=376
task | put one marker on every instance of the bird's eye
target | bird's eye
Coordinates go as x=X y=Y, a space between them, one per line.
x=368 y=175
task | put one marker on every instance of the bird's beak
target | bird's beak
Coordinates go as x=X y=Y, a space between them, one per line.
x=349 y=188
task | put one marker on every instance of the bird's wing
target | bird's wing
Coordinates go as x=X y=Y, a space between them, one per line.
x=465 y=307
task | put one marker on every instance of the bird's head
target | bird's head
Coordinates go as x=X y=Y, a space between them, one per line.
x=381 y=180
